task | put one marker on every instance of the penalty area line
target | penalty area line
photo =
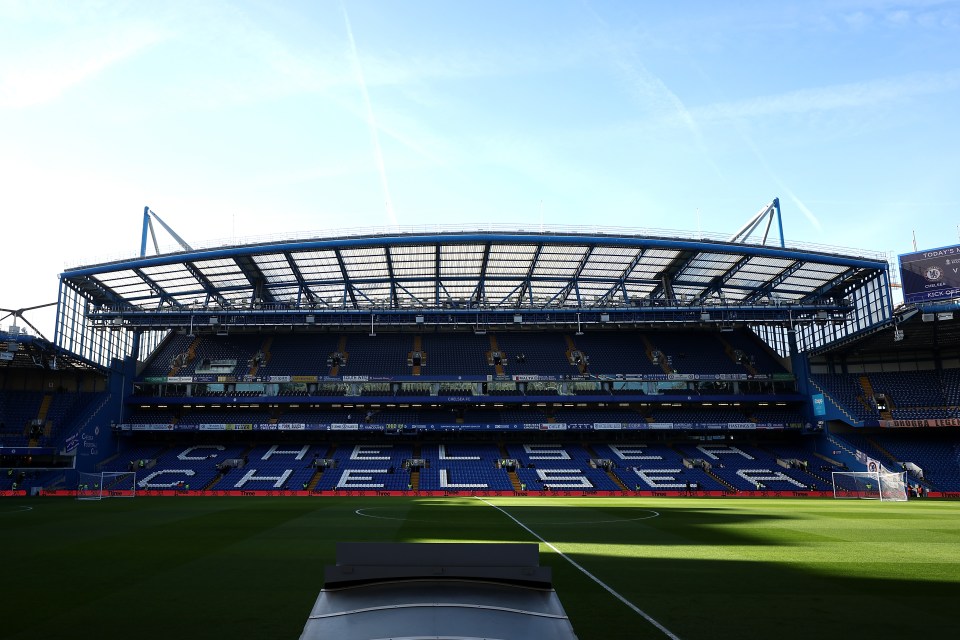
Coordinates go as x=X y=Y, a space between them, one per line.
x=646 y=616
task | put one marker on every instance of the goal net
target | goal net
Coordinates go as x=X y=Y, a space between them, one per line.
x=870 y=485
x=106 y=484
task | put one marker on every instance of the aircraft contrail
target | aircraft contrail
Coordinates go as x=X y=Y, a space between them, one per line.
x=814 y=220
x=371 y=121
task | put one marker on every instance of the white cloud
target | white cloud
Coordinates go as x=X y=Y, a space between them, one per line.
x=46 y=72
x=846 y=96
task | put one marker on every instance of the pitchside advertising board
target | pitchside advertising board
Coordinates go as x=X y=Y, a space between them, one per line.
x=931 y=275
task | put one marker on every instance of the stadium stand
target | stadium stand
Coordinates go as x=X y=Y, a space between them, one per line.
x=630 y=364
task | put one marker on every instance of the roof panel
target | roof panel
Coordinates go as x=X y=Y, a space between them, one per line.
x=212 y=269
x=734 y=295
x=559 y=261
x=315 y=257
x=706 y=266
x=118 y=277
x=460 y=259
x=604 y=264
x=414 y=261
x=510 y=259
x=365 y=262
x=810 y=283
x=653 y=262
x=274 y=268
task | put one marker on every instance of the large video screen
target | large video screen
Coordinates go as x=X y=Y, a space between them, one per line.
x=931 y=275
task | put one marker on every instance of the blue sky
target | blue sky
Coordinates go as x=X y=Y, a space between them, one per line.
x=244 y=119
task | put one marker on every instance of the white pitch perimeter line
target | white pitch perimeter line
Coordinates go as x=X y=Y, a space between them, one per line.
x=646 y=616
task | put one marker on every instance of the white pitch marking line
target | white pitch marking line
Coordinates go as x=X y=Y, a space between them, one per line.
x=360 y=512
x=600 y=582
x=22 y=508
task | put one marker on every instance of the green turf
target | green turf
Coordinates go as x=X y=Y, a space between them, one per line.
x=713 y=569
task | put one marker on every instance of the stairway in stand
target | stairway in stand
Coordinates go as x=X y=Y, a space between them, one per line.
x=495 y=347
x=514 y=479
x=315 y=479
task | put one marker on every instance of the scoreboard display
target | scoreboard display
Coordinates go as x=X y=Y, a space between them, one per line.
x=930 y=275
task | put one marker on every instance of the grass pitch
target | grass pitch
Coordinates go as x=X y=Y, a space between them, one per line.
x=703 y=568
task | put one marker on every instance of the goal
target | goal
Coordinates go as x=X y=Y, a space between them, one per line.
x=870 y=485
x=106 y=484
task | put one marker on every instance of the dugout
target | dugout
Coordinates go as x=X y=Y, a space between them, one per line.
x=442 y=590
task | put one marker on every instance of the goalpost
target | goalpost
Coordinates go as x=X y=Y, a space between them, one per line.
x=870 y=485
x=106 y=484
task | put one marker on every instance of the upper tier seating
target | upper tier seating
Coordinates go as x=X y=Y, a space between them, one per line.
x=910 y=394
x=535 y=353
x=909 y=389
x=693 y=352
x=384 y=354
x=18 y=409
x=616 y=352
x=455 y=354
x=846 y=390
x=462 y=353
x=758 y=355
x=300 y=354
x=161 y=359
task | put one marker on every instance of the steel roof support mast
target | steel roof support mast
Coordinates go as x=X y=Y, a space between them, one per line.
x=767 y=213
x=148 y=217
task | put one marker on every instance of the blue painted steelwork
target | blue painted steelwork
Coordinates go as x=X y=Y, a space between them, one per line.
x=602 y=317
x=474 y=238
x=208 y=288
x=776 y=206
x=156 y=288
x=57 y=318
x=716 y=285
x=768 y=288
x=143 y=235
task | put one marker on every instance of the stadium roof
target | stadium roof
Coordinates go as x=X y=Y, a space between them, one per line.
x=23 y=351
x=485 y=278
x=912 y=332
x=494 y=270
